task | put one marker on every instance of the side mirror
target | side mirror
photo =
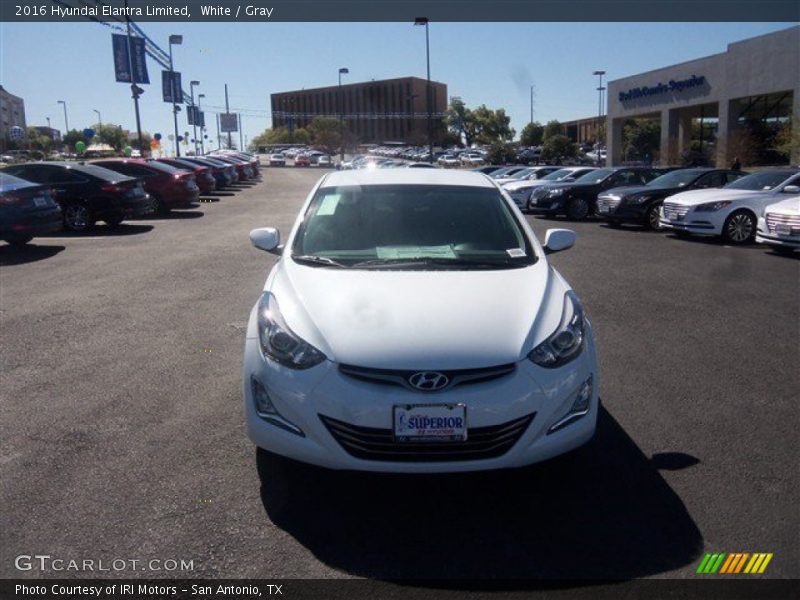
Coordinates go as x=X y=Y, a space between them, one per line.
x=556 y=240
x=267 y=239
x=791 y=189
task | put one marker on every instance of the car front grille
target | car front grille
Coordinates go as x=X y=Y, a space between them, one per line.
x=608 y=203
x=370 y=443
x=775 y=219
x=402 y=377
x=674 y=211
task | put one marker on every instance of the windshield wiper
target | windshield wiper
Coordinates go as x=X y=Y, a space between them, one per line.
x=322 y=261
x=444 y=262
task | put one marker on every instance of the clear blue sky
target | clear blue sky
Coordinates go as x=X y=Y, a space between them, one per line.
x=491 y=63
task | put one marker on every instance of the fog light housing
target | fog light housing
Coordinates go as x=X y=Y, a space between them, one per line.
x=267 y=411
x=580 y=406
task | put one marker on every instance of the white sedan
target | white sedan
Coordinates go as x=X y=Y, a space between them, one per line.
x=414 y=324
x=779 y=224
x=732 y=211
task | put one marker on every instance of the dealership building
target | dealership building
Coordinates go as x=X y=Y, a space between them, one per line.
x=756 y=79
x=389 y=110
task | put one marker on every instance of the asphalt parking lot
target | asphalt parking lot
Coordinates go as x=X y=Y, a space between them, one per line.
x=123 y=436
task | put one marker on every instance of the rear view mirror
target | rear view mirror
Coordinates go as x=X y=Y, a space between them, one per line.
x=791 y=189
x=267 y=239
x=556 y=240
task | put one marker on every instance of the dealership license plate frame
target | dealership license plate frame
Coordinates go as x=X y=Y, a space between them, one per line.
x=461 y=436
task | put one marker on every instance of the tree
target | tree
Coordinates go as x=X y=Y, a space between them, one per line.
x=110 y=134
x=641 y=139
x=532 y=134
x=501 y=153
x=458 y=119
x=37 y=141
x=557 y=148
x=325 y=133
x=787 y=140
x=72 y=137
x=492 y=126
x=551 y=129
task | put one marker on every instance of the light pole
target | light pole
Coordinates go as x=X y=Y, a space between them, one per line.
x=202 y=125
x=342 y=71
x=531 y=105
x=174 y=40
x=136 y=91
x=66 y=121
x=600 y=89
x=424 y=21
x=192 y=85
x=99 y=118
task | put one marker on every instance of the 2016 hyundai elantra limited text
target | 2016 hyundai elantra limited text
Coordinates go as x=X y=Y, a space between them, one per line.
x=414 y=324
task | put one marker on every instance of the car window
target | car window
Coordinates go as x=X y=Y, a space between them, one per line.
x=627 y=178
x=389 y=223
x=731 y=176
x=706 y=181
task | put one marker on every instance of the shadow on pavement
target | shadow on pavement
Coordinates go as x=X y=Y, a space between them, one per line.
x=173 y=215
x=221 y=193
x=603 y=512
x=101 y=229
x=12 y=255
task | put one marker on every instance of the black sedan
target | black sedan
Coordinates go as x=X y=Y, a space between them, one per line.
x=578 y=199
x=26 y=210
x=641 y=204
x=87 y=193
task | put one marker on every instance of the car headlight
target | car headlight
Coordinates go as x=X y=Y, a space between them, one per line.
x=555 y=192
x=566 y=342
x=280 y=343
x=639 y=199
x=712 y=206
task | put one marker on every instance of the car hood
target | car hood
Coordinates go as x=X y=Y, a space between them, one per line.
x=514 y=186
x=695 y=197
x=419 y=319
x=790 y=206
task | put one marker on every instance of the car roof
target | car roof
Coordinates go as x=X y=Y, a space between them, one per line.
x=407 y=177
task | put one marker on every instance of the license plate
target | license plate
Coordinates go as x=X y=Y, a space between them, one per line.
x=40 y=201
x=783 y=229
x=430 y=423
x=602 y=208
x=534 y=201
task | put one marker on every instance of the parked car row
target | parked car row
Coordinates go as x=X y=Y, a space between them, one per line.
x=41 y=197
x=303 y=157
x=734 y=205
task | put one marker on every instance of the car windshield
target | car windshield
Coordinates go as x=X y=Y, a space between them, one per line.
x=557 y=175
x=595 y=176
x=411 y=226
x=523 y=173
x=100 y=172
x=675 y=179
x=760 y=181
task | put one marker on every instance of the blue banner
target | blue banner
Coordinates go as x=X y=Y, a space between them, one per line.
x=169 y=91
x=122 y=62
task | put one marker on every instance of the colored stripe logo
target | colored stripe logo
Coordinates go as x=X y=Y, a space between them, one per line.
x=734 y=563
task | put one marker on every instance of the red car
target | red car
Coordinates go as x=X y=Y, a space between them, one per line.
x=302 y=160
x=168 y=187
x=204 y=175
x=243 y=168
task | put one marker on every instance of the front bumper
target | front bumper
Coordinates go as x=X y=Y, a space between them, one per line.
x=306 y=399
x=765 y=236
x=705 y=223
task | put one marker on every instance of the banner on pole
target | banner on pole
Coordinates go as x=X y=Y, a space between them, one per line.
x=228 y=122
x=169 y=91
x=123 y=63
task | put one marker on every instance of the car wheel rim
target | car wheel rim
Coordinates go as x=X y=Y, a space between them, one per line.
x=654 y=217
x=76 y=217
x=740 y=228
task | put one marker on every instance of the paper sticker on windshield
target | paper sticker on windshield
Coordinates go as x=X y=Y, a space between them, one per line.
x=328 y=204
x=515 y=252
x=394 y=252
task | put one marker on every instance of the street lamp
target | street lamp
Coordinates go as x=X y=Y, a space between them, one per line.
x=600 y=89
x=174 y=40
x=192 y=85
x=342 y=71
x=66 y=121
x=99 y=118
x=202 y=125
x=424 y=21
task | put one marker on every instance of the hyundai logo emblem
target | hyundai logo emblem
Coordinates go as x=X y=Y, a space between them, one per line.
x=428 y=381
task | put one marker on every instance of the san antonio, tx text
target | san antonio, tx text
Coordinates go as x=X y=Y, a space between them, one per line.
x=75 y=591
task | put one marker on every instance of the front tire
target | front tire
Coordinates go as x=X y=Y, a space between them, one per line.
x=739 y=228
x=78 y=217
x=578 y=209
x=653 y=216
